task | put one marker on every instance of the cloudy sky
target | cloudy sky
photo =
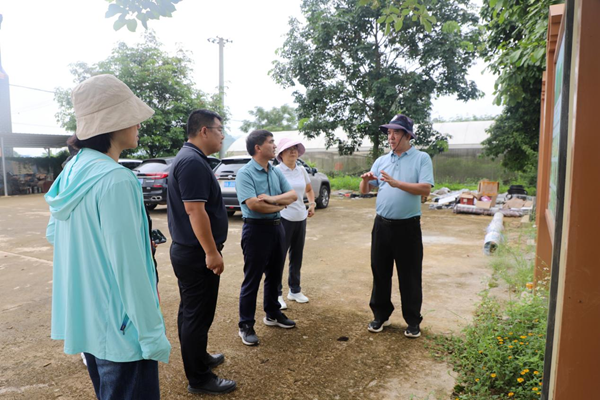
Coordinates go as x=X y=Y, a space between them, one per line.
x=40 y=38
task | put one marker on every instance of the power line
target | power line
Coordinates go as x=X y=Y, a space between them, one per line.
x=32 y=88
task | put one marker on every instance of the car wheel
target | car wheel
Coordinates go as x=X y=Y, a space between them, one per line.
x=151 y=207
x=323 y=199
x=230 y=213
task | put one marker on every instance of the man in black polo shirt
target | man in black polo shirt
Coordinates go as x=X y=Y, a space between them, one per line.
x=198 y=225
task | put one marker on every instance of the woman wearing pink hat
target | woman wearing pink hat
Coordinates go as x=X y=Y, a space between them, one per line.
x=293 y=218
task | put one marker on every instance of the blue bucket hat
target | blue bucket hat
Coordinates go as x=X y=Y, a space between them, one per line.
x=399 y=121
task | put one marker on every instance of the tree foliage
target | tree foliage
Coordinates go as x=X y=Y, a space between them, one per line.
x=132 y=11
x=515 y=48
x=161 y=80
x=356 y=77
x=276 y=119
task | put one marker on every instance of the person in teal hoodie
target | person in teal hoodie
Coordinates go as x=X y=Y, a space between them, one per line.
x=104 y=295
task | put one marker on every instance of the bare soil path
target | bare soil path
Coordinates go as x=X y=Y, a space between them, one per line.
x=310 y=362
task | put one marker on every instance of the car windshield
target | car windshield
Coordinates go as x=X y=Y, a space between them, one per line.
x=213 y=162
x=229 y=168
x=152 y=167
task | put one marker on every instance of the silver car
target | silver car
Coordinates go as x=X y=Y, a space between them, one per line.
x=227 y=170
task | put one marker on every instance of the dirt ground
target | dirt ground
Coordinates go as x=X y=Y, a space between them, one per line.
x=310 y=362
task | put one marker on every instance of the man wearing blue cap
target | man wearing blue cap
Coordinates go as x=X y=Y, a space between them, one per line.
x=402 y=176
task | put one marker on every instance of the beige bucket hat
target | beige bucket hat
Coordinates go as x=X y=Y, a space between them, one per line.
x=104 y=104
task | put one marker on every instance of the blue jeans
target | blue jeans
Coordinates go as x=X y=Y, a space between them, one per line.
x=124 y=380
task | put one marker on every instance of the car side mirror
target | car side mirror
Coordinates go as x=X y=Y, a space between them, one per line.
x=314 y=170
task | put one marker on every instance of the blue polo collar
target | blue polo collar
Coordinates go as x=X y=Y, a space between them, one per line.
x=258 y=166
x=406 y=153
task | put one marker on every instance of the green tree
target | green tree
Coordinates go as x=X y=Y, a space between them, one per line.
x=276 y=119
x=355 y=76
x=515 y=48
x=161 y=80
x=132 y=11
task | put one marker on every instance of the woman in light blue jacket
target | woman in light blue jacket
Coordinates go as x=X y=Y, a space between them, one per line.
x=104 y=297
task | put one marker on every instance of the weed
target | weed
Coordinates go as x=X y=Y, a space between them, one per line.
x=501 y=355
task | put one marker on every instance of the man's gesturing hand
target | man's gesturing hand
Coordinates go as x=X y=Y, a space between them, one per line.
x=368 y=176
x=386 y=178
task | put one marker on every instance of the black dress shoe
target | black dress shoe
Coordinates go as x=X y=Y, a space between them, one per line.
x=214 y=360
x=215 y=385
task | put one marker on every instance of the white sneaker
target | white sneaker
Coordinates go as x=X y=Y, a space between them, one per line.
x=282 y=304
x=299 y=297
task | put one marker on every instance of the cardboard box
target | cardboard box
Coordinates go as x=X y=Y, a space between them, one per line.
x=466 y=198
x=487 y=189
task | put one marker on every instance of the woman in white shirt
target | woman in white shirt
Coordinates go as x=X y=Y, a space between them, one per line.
x=293 y=218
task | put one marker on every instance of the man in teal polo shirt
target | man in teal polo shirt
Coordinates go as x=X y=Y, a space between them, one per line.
x=403 y=176
x=262 y=192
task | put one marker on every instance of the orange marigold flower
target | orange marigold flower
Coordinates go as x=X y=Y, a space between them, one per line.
x=536 y=372
x=520 y=380
x=511 y=394
x=493 y=375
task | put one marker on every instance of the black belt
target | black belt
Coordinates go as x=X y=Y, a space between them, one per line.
x=256 y=221
x=219 y=246
x=397 y=221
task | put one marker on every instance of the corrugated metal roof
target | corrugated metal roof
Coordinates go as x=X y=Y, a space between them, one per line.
x=34 y=140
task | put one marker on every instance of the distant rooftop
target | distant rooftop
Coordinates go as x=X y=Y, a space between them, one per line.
x=464 y=135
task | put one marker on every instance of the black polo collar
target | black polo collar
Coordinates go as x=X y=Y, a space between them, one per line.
x=193 y=147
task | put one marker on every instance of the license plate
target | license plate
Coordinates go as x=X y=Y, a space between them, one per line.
x=229 y=184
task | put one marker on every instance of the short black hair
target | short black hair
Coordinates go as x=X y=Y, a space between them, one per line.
x=256 y=138
x=99 y=143
x=199 y=119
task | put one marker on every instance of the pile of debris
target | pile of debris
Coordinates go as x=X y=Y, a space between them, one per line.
x=486 y=201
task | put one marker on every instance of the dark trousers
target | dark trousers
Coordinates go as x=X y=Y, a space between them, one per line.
x=199 y=289
x=398 y=241
x=123 y=380
x=264 y=253
x=295 y=234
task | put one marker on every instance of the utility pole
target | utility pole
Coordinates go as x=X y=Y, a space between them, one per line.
x=221 y=42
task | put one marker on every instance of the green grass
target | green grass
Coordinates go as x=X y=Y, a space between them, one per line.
x=350 y=182
x=344 y=182
x=501 y=354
